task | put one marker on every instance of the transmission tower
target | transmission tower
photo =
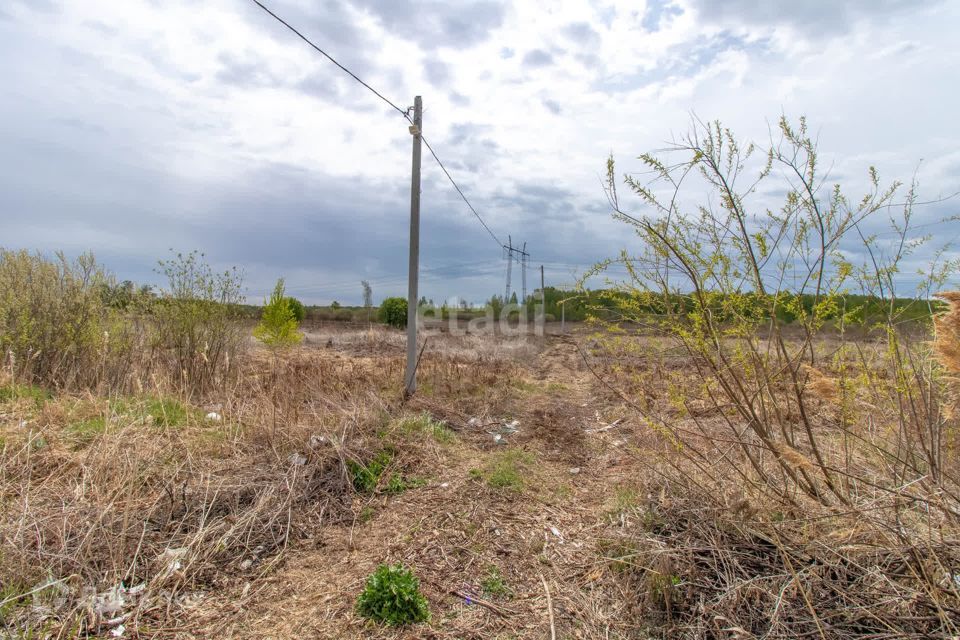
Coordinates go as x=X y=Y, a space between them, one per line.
x=520 y=255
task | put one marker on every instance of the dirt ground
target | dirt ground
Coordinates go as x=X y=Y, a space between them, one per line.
x=545 y=539
x=525 y=485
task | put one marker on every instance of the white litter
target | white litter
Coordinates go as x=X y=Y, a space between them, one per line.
x=118 y=632
x=214 y=416
x=317 y=441
x=172 y=558
x=297 y=459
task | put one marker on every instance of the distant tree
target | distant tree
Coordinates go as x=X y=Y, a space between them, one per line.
x=334 y=305
x=299 y=311
x=393 y=312
x=422 y=302
x=367 y=294
x=278 y=324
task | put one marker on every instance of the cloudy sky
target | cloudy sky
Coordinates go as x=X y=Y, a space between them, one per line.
x=129 y=128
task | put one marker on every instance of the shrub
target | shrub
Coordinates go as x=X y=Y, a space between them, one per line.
x=55 y=329
x=278 y=324
x=299 y=311
x=393 y=312
x=194 y=324
x=392 y=596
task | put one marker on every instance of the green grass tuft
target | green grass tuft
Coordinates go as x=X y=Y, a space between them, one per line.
x=505 y=470
x=166 y=412
x=392 y=596
x=425 y=424
x=11 y=392
x=494 y=585
x=86 y=431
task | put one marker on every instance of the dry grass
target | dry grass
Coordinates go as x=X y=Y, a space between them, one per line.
x=251 y=526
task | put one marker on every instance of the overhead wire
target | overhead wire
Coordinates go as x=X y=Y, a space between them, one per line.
x=404 y=112
x=460 y=191
x=329 y=57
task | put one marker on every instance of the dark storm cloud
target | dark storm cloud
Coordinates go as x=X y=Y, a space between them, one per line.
x=537 y=58
x=813 y=17
x=433 y=24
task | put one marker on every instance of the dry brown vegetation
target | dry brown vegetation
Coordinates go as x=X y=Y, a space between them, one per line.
x=139 y=510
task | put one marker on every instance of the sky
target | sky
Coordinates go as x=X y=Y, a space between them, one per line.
x=133 y=128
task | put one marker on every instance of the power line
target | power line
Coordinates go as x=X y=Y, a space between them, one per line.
x=402 y=112
x=460 y=191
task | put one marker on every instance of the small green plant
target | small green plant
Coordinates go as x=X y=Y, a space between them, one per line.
x=366 y=477
x=86 y=431
x=494 y=585
x=392 y=596
x=393 y=312
x=621 y=555
x=425 y=424
x=505 y=470
x=12 y=392
x=397 y=483
x=166 y=412
x=625 y=499
x=372 y=475
x=278 y=324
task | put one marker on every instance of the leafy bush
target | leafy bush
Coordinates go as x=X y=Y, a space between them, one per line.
x=392 y=596
x=393 y=312
x=299 y=311
x=54 y=326
x=194 y=324
x=278 y=324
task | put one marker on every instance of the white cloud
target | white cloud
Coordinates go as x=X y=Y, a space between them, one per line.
x=211 y=114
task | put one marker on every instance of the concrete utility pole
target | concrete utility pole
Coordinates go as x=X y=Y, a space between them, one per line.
x=523 y=270
x=543 y=297
x=414 y=267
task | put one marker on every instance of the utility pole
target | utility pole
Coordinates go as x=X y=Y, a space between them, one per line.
x=523 y=270
x=414 y=267
x=543 y=298
x=523 y=258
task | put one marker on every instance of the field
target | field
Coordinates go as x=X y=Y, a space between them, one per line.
x=524 y=485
